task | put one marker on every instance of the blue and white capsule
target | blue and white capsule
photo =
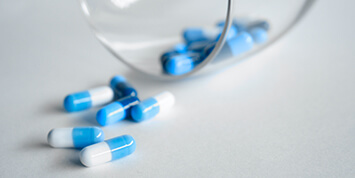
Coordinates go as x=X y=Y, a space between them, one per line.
x=108 y=150
x=153 y=106
x=116 y=111
x=206 y=34
x=121 y=87
x=77 y=137
x=181 y=64
x=86 y=99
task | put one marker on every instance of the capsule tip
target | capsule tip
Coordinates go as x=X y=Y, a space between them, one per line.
x=110 y=114
x=69 y=103
x=50 y=138
x=99 y=135
x=117 y=79
x=86 y=157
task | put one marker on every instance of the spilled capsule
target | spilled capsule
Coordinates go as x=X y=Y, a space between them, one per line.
x=181 y=64
x=116 y=111
x=108 y=150
x=121 y=87
x=77 y=137
x=86 y=99
x=151 y=107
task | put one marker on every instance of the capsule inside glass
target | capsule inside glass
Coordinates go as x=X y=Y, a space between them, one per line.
x=139 y=32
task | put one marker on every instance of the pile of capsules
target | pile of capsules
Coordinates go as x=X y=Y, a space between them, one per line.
x=123 y=103
x=199 y=43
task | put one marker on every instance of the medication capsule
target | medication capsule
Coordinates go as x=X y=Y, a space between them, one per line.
x=206 y=34
x=198 y=46
x=116 y=111
x=180 y=48
x=77 y=137
x=240 y=26
x=181 y=64
x=151 y=107
x=108 y=150
x=234 y=47
x=259 y=24
x=259 y=35
x=121 y=87
x=87 y=99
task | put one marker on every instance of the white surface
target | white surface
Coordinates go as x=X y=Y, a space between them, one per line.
x=96 y=154
x=61 y=138
x=165 y=101
x=101 y=95
x=286 y=112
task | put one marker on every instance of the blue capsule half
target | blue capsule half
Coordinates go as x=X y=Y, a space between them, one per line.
x=121 y=87
x=84 y=136
x=116 y=111
x=181 y=64
x=87 y=99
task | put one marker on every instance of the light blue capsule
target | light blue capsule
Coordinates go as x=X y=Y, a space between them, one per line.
x=181 y=64
x=259 y=35
x=116 y=111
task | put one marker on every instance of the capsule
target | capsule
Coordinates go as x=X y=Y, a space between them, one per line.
x=121 y=87
x=180 y=48
x=198 y=46
x=206 y=34
x=151 y=107
x=77 y=137
x=234 y=47
x=259 y=24
x=86 y=99
x=116 y=111
x=108 y=150
x=181 y=64
x=259 y=35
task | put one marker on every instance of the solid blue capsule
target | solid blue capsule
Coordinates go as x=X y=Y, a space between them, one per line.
x=108 y=150
x=116 y=111
x=86 y=99
x=259 y=35
x=181 y=64
x=77 y=137
x=151 y=107
x=121 y=87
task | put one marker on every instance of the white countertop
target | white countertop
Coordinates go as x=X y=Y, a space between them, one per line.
x=286 y=112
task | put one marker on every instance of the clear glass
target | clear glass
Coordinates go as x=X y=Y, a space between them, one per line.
x=138 y=32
